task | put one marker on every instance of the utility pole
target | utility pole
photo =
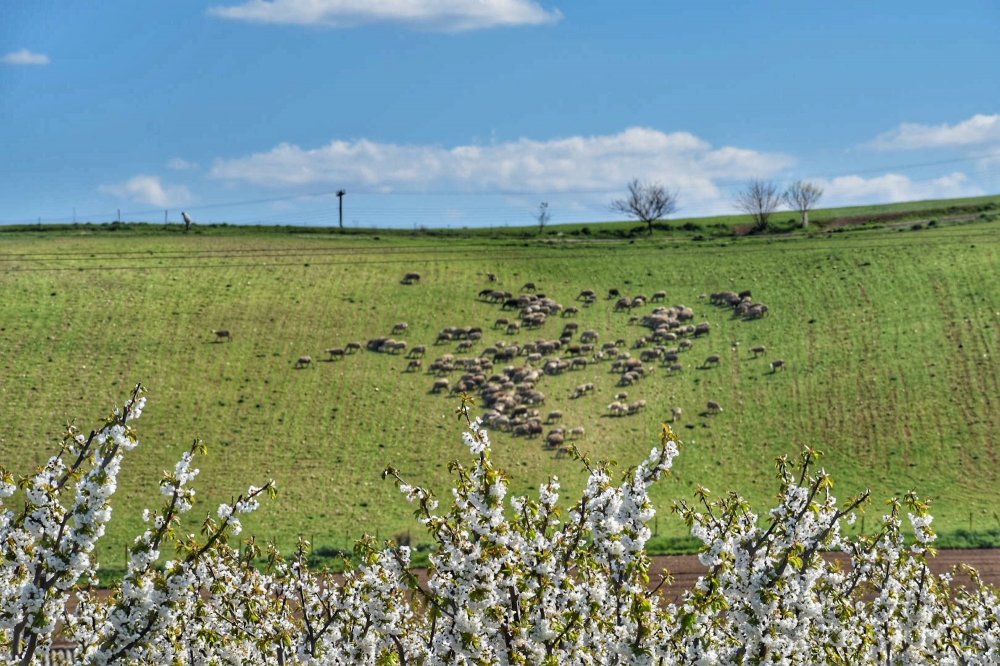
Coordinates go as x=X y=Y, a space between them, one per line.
x=340 y=201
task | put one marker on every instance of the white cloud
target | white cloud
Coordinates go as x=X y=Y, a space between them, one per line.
x=25 y=57
x=178 y=164
x=604 y=163
x=978 y=130
x=443 y=15
x=148 y=190
x=891 y=187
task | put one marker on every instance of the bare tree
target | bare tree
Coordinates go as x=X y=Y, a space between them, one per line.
x=646 y=202
x=802 y=196
x=758 y=199
x=542 y=215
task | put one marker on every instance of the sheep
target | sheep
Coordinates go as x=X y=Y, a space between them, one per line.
x=713 y=407
x=636 y=407
x=702 y=328
x=674 y=368
x=528 y=286
x=577 y=432
x=554 y=415
x=492 y=277
x=223 y=334
x=554 y=439
x=613 y=293
x=675 y=414
x=617 y=409
x=352 y=347
x=585 y=294
x=564 y=451
x=418 y=350
x=440 y=385
x=659 y=296
x=410 y=278
x=303 y=362
x=335 y=352
x=758 y=350
x=400 y=327
x=621 y=396
x=711 y=359
x=570 y=311
x=777 y=363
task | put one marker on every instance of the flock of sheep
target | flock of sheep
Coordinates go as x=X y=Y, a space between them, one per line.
x=507 y=373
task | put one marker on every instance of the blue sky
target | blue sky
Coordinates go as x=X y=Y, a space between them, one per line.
x=471 y=112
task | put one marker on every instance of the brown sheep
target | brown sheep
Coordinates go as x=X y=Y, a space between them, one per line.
x=335 y=353
x=712 y=359
x=303 y=362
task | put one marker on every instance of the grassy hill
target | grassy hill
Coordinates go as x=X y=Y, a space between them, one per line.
x=890 y=335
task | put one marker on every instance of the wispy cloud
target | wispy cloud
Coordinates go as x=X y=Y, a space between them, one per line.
x=149 y=190
x=604 y=163
x=178 y=164
x=891 y=188
x=437 y=15
x=25 y=57
x=978 y=130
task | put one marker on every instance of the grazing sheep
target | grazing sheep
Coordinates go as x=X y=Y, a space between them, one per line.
x=674 y=368
x=777 y=363
x=223 y=334
x=585 y=294
x=400 y=327
x=570 y=311
x=410 y=278
x=564 y=451
x=714 y=407
x=711 y=359
x=701 y=329
x=418 y=350
x=414 y=365
x=621 y=396
x=335 y=352
x=617 y=408
x=759 y=350
x=440 y=385
x=554 y=439
x=554 y=415
x=528 y=286
x=684 y=345
x=303 y=362
x=675 y=414
x=352 y=347
x=613 y=293
x=659 y=296
x=577 y=432
x=492 y=277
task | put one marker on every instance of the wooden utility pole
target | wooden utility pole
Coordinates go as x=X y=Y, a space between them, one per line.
x=340 y=201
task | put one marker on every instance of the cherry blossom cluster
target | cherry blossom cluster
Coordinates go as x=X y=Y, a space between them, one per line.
x=512 y=579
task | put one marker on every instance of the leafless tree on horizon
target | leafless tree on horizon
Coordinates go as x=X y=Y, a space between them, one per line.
x=758 y=199
x=802 y=196
x=647 y=202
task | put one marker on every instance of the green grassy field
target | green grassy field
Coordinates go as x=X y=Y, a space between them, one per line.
x=890 y=337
